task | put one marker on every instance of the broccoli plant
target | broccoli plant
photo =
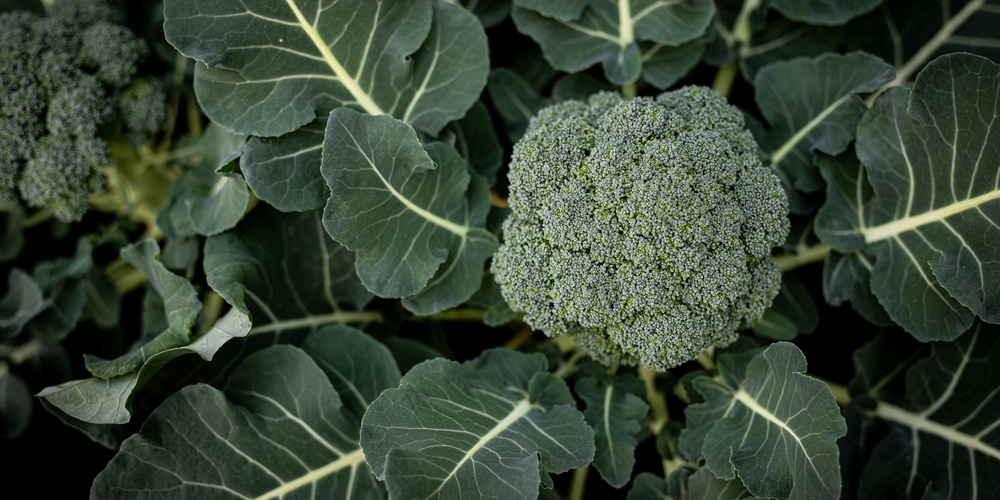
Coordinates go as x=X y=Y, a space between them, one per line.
x=503 y=248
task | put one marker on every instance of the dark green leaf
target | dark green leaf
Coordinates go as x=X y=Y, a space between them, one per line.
x=22 y=302
x=279 y=429
x=703 y=484
x=476 y=141
x=770 y=424
x=823 y=12
x=609 y=31
x=204 y=202
x=284 y=171
x=284 y=272
x=16 y=404
x=563 y=10
x=615 y=409
x=267 y=69
x=931 y=224
x=404 y=211
x=493 y=421
x=943 y=441
x=812 y=105
x=792 y=312
x=515 y=99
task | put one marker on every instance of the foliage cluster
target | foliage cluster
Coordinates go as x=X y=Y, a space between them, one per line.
x=507 y=248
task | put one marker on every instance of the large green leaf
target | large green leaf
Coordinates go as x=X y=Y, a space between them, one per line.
x=285 y=273
x=284 y=171
x=280 y=429
x=109 y=400
x=515 y=99
x=267 y=68
x=943 y=440
x=615 y=409
x=930 y=226
x=921 y=30
x=405 y=211
x=812 y=105
x=180 y=305
x=769 y=424
x=493 y=426
x=610 y=32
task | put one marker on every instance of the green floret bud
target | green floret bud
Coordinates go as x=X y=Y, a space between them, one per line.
x=79 y=110
x=143 y=108
x=83 y=12
x=643 y=227
x=63 y=173
x=112 y=52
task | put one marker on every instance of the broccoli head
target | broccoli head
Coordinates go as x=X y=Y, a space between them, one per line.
x=64 y=76
x=642 y=227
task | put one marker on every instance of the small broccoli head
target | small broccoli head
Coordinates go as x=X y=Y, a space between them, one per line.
x=143 y=108
x=643 y=227
x=112 y=52
x=62 y=173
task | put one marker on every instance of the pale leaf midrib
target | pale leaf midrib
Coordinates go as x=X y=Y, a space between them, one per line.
x=747 y=400
x=789 y=145
x=441 y=222
x=348 y=460
x=519 y=411
x=920 y=423
x=888 y=230
x=346 y=79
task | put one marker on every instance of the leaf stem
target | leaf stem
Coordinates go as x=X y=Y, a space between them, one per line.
x=568 y=368
x=20 y=354
x=579 y=483
x=320 y=320
x=802 y=257
x=725 y=77
x=465 y=314
x=657 y=401
x=629 y=90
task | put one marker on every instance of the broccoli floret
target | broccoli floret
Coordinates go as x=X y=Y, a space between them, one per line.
x=62 y=173
x=113 y=52
x=143 y=108
x=61 y=75
x=642 y=227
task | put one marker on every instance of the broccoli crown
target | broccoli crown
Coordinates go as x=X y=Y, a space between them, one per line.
x=642 y=227
x=60 y=74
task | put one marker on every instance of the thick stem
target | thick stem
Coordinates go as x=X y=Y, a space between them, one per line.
x=579 y=483
x=657 y=401
x=725 y=77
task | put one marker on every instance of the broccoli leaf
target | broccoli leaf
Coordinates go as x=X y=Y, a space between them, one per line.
x=22 y=302
x=615 y=409
x=818 y=114
x=515 y=99
x=15 y=404
x=822 y=12
x=765 y=407
x=282 y=415
x=942 y=440
x=921 y=30
x=204 y=201
x=931 y=222
x=475 y=140
x=404 y=211
x=269 y=68
x=496 y=424
x=283 y=171
x=610 y=32
x=284 y=272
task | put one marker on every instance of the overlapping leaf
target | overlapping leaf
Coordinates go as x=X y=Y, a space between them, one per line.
x=405 y=211
x=812 y=105
x=944 y=439
x=931 y=224
x=284 y=272
x=268 y=68
x=203 y=201
x=770 y=424
x=615 y=409
x=493 y=426
x=106 y=398
x=281 y=428
x=622 y=35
